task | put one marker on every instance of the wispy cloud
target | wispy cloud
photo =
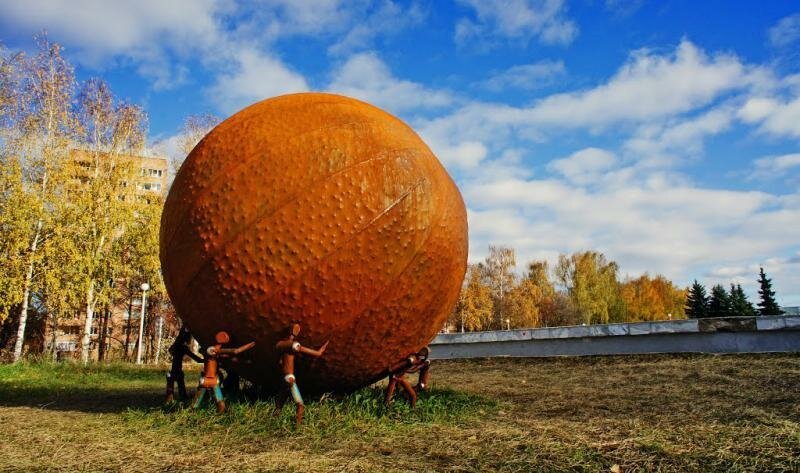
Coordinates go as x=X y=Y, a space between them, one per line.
x=526 y=76
x=785 y=32
x=516 y=20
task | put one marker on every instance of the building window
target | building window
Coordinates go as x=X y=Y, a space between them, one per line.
x=151 y=186
x=147 y=172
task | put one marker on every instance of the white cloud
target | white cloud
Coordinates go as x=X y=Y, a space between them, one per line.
x=670 y=228
x=776 y=117
x=786 y=31
x=757 y=109
x=648 y=87
x=366 y=77
x=387 y=18
x=256 y=77
x=526 y=76
x=666 y=144
x=517 y=20
x=775 y=166
x=584 y=166
x=100 y=30
x=306 y=16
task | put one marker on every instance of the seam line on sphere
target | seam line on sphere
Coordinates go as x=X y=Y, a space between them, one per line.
x=223 y=174
x=345 y=243
x=263 y=213
x=408 y=265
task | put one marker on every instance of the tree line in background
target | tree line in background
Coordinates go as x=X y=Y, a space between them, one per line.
x=722 y=303
x=76 y=235
x=583 y=288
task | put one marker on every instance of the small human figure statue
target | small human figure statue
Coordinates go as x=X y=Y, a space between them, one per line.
x=179 y=349
x=209 y=381
x=289 y=348
x=416 y=362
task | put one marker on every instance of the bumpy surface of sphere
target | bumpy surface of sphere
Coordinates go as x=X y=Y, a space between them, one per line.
x=322 y=210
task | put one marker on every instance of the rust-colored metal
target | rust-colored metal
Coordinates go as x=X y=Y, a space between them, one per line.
x=289 y=348
x=320 y=210
x=209 y=379
x=179 y=350
x=416 y=362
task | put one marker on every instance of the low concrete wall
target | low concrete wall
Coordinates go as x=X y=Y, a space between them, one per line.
x=719 y=335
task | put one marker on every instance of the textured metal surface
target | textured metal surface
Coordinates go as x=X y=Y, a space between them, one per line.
x=321 y=210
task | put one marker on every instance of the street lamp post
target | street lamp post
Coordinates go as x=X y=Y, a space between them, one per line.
x=159 y=329
x=508 y=324
x=145 y=288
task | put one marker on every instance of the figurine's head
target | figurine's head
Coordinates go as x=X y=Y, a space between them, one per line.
x=184 y=335
x=294 y=329
x=222 y=337
x=423 y=353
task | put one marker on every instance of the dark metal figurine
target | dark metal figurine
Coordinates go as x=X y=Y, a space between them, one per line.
x=289 y=348
x=179 y=349
x=209 y=381
x=417 y=362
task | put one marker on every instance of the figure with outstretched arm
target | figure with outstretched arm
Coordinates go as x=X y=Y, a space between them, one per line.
x=289 y=348
x=416 y=362
x=179 y=349
x=209 y=381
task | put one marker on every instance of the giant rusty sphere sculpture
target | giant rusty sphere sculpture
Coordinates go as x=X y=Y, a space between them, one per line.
x=322 y=210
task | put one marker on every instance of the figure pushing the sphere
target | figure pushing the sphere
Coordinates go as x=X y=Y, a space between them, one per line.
x=209 y=379
x=414 y=363
x=179 y=350
x=289 y=348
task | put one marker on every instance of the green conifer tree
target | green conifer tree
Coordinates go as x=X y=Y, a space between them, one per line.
x=720 y=303
x=767 y=305
x=740 y=305
x=697 y=301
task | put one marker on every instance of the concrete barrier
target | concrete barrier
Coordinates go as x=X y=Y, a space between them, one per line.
x=713 y=335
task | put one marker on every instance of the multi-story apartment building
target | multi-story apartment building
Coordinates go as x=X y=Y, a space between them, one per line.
x=121 y=321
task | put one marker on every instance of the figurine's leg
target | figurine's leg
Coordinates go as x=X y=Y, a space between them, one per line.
x=232 y=383
x=280 y=400
x=424 y=378
x=412 y=395
x=179 y=378
x=170 y=388
x=198 y=397
x=291 y=384
x=390 y=390
x=298 y=401
x=220 y=400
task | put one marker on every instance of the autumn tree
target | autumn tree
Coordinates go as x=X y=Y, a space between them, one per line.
x=523 y=304
x=696 y=301
x=591 y=283
x=138 y=258
x=38 y=128
x=538 y=274
x=474 y=309
x=656 y=298
x=499 y=269
x=17 y=210
x=767 y=304
x=111 y=132
x=195 y=127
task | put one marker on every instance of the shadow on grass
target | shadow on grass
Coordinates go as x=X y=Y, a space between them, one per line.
x=90 y=400
x=138 y=392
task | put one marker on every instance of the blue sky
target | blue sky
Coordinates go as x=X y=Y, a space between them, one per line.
x=665 y=134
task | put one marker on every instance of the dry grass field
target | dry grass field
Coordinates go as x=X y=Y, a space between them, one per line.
x=643 y=413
